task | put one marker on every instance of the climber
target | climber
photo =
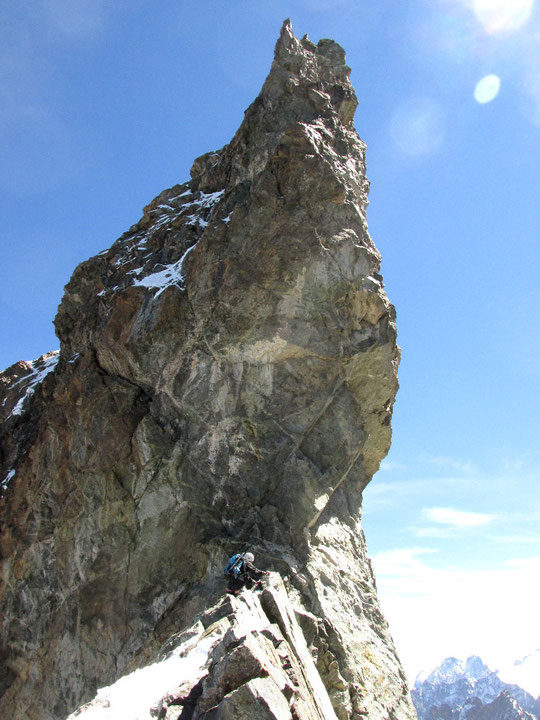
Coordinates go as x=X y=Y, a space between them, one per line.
x=241 y=571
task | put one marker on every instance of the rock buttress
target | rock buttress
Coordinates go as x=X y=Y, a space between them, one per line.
x=226 y=379
x=245 y=657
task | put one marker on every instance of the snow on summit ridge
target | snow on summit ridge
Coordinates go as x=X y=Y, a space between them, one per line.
x=451 y=669
x=469 y=690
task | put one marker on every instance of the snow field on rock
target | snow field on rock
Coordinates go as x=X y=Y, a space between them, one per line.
x=170 y=275
x=132 y=696
x=36 y=377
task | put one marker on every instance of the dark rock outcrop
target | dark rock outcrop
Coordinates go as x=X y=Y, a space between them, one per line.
x=226 y=379
x=504 y=707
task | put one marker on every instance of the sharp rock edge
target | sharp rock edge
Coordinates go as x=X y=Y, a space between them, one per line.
x=225 y=381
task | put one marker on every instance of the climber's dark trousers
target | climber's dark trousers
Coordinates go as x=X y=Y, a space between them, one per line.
x=247 y=579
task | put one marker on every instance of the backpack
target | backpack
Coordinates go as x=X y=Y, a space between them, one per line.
x=234 y=566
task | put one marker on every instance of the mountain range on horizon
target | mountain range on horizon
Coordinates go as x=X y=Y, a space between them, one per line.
x=469 y=690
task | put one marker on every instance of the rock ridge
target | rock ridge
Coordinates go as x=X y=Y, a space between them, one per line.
x=226 y=377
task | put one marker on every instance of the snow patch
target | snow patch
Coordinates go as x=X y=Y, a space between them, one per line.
x=166 y=213
x=177 y=197
x=170 y=275
x=196 y=220
x=40 y=370
x=5 y=482
x=131 y=697
x=211 y=198
x=205 y=201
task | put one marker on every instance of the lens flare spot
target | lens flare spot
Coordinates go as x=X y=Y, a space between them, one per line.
x=487 y=89
x=497 y=16
x=418 y=126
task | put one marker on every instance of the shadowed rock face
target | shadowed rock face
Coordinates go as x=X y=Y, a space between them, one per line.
x=226 y=379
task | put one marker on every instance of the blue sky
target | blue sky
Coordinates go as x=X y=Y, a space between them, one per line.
x=103 y=105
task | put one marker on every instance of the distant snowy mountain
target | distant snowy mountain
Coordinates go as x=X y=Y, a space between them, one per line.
x=504 y=707
x=452 y=670
x=469 y=690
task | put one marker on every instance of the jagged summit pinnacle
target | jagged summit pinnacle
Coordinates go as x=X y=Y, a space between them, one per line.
x=313 y=67
x=288 y=44
x=307 y=83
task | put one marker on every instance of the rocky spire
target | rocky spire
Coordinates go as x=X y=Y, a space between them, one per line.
x=226 y=379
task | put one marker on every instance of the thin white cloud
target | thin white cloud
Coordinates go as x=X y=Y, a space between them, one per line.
x=35 y=135
x=391 y=466
x=30 y=35
x=393 y=493
x=74 y=18
x=517 y=463
x=515 y=539
x=433 y=532
x=394 y=561
x=531 y=96
x=322 y=5
x=448 y=463
x=456 y=518
x=530 y=565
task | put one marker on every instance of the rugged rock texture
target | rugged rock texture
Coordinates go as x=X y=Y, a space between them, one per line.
x=469 y=690
x=504 y=707
x=226 y=379
x=246 y=657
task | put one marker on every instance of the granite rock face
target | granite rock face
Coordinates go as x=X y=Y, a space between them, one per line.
x=225 y=380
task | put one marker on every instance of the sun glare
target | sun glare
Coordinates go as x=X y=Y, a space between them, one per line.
x=502 y=15
x=487 y=89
